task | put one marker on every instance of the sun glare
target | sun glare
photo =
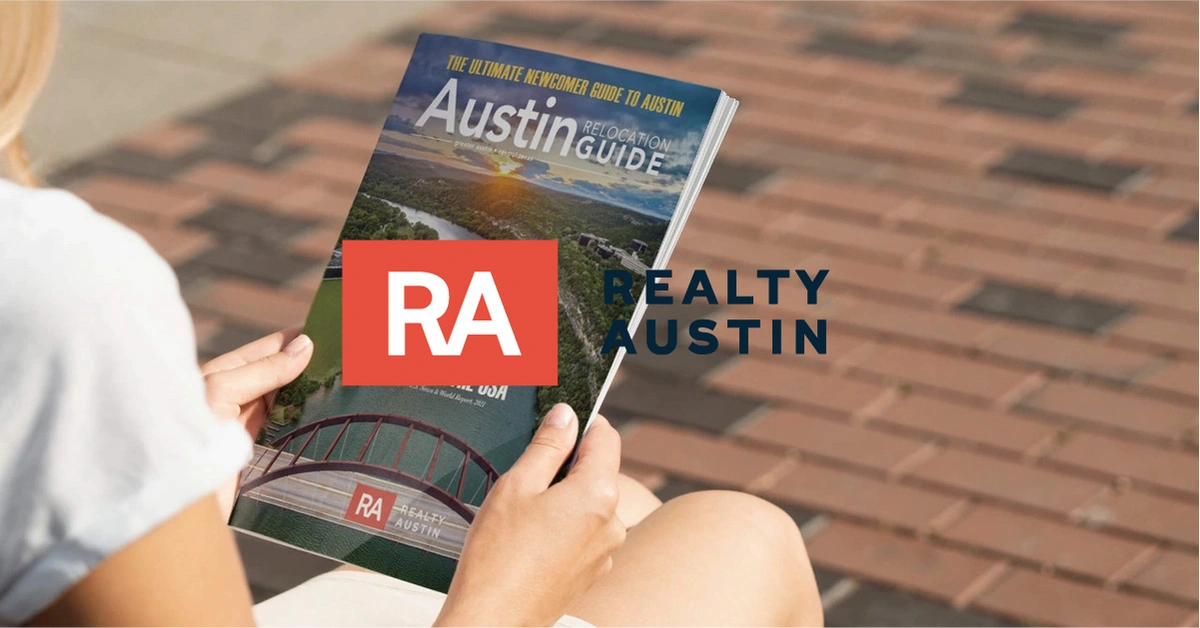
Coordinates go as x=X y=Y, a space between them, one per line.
x=506 y=166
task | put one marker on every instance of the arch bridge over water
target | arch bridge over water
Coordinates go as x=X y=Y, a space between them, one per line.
x=322 y=457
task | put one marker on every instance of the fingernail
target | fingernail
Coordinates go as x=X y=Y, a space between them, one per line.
x=560 y=416
x=297 y=345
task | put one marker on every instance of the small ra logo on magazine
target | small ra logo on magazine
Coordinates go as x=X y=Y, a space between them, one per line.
x=449 y=312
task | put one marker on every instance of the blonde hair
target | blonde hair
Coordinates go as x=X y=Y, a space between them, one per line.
x=28 y=30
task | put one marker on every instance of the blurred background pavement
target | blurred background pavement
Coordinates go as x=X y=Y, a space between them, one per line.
x=124 y=65
x=1004 y=430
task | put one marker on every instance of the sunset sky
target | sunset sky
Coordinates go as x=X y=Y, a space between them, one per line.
x=655 y=195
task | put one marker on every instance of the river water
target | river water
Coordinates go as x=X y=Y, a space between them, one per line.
x=446 y=230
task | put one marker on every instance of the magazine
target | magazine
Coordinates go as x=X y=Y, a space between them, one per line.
x=483 y=141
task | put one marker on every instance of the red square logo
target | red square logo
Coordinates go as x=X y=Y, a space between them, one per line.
x=450 y=312
x=370 y=506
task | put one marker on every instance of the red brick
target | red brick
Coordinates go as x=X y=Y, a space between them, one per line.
x=453 y=20
x=1172 y=572
x=839 y=169
x=1161 y=19
x=960 y=423
x=317 y=242
x=1029 y=132
x=718 y=210
x=1086 y=207
x=151 y=201
x=999 y=480
x=1139 y=134
x=1124 y=120
x=939 y=372
x=949 y=188
x=854 y=239
x=365 y=73
x=668 y=19
x=954 y=330
x=1172 y=49
x=305 y=284
x=977 y=224
x=855 y=106
x=850 y=494
x=1168 y=161
x=875 y=81
x=896 y=561
x=251 y=304
x=867 y=141
x=771 y=380
x=1178 y=377
x=1158 y=334
x=692 y=455
x=315 y=201
x=175 y=244
x=168 y=140
x=1046 y=600
x=993 y=264
x=1170 y=297
x=917 y=86
x=255 y=186
x=950 y=155
x=205 y=327
x=838 y=197
x=1142 y=463
x=1164 y=257
x=960 y=16
x=1046 y=542
x=1151 y=515
x=835 y=440
x=341 y=170
x=887 y=281
x=1127 y=93
x=1063 y=351
x=1107 y=408
x=717 y=243
x=333 y=134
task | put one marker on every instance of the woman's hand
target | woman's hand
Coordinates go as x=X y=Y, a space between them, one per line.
x=534 y=548
x=242 y=384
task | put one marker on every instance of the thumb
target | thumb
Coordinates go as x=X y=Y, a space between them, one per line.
x=551 y=446
x=253 y=380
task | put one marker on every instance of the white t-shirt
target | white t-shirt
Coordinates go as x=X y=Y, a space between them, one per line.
x=104 y=428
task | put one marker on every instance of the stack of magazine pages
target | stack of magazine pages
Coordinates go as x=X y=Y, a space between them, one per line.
x=483 y=141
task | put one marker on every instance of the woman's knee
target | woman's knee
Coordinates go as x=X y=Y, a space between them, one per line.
x=747 y=515
x=765 y=538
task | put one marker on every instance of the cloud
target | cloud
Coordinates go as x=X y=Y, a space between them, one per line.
x=475 y=159
x=681 y=155
x=397 y=123
x=656 y=203
x=533 y=168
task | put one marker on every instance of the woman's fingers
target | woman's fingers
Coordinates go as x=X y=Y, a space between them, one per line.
x=600 y=450
x=248 y=382
x=551 y=446
x=257 y=350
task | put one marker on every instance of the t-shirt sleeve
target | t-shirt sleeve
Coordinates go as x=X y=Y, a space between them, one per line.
x=105 y=432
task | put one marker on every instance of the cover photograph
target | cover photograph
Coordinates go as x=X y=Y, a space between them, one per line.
x=483 y=141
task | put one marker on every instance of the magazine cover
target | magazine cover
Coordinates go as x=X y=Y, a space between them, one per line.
x=484 y=141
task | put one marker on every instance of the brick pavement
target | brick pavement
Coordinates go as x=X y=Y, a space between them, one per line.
x=1004 y=429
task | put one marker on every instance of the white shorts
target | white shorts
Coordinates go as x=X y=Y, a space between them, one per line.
x=358 y=598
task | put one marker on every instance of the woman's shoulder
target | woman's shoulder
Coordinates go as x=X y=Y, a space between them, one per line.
x=62 y=258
